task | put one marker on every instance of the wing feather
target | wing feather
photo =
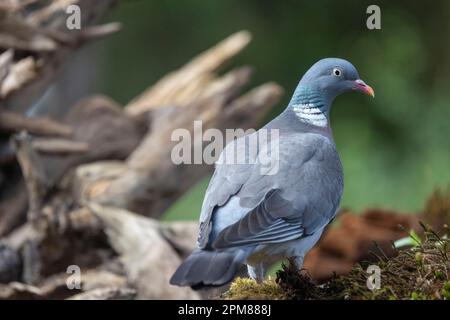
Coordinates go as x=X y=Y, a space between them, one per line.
x=299 y=200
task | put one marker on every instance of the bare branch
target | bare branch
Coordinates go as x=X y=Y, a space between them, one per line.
x=59 y=146
x=184 y=86
x=33 y=172
x=15 y=122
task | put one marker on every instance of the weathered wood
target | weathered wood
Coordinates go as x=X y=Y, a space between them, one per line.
x=116 y=159
x=6 y=59
x=98 y=284
x=148 y=259
x=55 y=241
x=54 y=37
x=59 y=146
x=148 y=251
x=15 y=122
x=106 y=294
x=13 y=204
x=36 y=180
x=182 y=235
x=18 y=75
x=16 y=33
x=100 y=123
x=17 y=290
x=187 y=84
x=96 y=33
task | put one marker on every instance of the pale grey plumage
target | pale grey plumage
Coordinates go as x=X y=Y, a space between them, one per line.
x=249 y=217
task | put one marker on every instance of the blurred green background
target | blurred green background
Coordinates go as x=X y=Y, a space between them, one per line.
x=395 y=149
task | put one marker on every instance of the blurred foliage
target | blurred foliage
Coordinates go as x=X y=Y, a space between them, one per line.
x=395 y=149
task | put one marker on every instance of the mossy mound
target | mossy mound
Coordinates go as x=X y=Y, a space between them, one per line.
x=419 y=272
x=246 y=288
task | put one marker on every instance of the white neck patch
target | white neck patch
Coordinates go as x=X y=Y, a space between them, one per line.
x=309 y=113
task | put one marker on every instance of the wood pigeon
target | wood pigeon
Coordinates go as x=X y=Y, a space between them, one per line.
x=258 y=219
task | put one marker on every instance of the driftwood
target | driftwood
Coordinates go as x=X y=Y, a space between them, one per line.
x=59 y=146
x=34 y=46
x=33 y=172
x=44 y=32
x=109 y=293
x=95 y=284
x=90 y=178
x=140 y=244
x=15 y=122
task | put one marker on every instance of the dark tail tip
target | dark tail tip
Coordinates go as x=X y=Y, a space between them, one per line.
x=208 y=268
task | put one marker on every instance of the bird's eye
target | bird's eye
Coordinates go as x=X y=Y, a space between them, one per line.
x=337 y=72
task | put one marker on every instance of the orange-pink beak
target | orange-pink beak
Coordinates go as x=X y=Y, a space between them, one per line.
x=365 y=88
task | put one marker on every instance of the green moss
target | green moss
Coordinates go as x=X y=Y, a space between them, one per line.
x=418 y=296
x=249 y=289
x=445 y=292
x=415 y=273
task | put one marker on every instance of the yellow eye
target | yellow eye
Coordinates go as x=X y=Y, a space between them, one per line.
x=337 y=72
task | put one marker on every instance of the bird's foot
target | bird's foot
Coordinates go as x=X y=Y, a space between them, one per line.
x=256 y=272
x=298 y=260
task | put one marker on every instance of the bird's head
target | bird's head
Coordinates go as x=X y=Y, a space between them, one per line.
x=333 y=76
x=323 y=82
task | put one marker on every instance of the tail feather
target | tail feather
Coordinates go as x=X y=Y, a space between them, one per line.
x=209 y=268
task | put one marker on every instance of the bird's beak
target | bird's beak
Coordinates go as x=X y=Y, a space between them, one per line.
x=365 y=88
